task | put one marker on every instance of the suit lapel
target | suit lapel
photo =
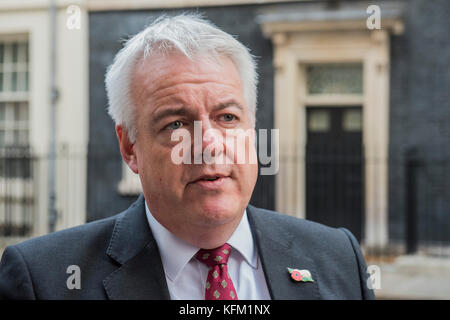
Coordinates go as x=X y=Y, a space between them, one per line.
x=277 y=252
x=140 y=274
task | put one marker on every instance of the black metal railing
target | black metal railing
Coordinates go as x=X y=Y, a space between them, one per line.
x=16 y=191
x=418 y=196
x=427 y=204
x=418 y=185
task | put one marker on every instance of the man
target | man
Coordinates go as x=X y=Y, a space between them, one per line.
x=192 y=234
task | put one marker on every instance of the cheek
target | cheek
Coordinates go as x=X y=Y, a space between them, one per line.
x=251 y=168
x=247 y=175
x=155 y=166
x=240 y=146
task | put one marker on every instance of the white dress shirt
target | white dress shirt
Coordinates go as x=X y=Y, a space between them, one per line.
x=186 y=276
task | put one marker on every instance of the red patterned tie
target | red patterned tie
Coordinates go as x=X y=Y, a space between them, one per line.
x=218 y=283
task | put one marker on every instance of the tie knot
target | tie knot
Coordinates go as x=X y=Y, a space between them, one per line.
x=216 y=256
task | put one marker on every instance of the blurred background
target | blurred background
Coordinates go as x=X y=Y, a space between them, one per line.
x=359 y=91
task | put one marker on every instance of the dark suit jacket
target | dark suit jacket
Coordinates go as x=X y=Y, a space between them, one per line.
x=119 y=259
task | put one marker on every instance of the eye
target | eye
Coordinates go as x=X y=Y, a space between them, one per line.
x=174 y=125
x=228 y=117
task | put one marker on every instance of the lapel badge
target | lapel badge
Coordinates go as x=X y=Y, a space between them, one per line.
x=300 y=275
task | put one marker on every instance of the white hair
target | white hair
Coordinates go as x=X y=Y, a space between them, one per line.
x=189 y=34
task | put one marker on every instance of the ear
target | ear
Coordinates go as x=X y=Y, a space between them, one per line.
x=127 y=148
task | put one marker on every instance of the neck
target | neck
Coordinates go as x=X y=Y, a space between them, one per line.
x=211 y=237
x=205 y=236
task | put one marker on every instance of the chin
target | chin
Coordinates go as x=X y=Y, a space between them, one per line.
x=219 y=211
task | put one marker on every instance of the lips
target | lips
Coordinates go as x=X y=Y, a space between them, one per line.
x=210 y=177
x=210 y=181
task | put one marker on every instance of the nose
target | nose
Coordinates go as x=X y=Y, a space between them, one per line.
x=210 y=136
x=211 y=141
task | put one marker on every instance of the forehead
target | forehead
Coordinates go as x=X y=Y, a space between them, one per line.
x=164 y=73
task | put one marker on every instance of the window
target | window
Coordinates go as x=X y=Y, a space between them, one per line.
x=334 y=78
x=14 y=113
x=13 y=94
x=318 y=121
x=352 y=120
x=13 y=124
x=16 y=192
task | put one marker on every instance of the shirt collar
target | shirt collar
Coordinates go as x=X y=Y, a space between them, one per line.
x=176 y=253
x=242 y=241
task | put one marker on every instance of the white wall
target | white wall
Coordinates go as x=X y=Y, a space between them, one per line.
x=32 y=18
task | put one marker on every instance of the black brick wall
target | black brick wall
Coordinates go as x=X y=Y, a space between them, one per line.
x=419 y=120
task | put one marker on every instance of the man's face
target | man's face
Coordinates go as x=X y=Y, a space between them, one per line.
x=170 y=93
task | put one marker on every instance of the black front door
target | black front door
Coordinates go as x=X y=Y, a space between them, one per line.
x=334 y=167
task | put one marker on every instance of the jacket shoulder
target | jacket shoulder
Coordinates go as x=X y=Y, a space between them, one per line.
x=335 y=251
x=78 y=236
x=307 y=229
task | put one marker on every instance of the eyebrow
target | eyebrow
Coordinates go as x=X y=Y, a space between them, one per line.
x=183 y=111
x=179 y=111
x=225 y=105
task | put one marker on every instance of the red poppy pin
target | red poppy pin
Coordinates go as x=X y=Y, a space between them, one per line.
x=300 y=275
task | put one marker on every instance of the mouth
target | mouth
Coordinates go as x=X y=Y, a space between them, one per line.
x=210 y=182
